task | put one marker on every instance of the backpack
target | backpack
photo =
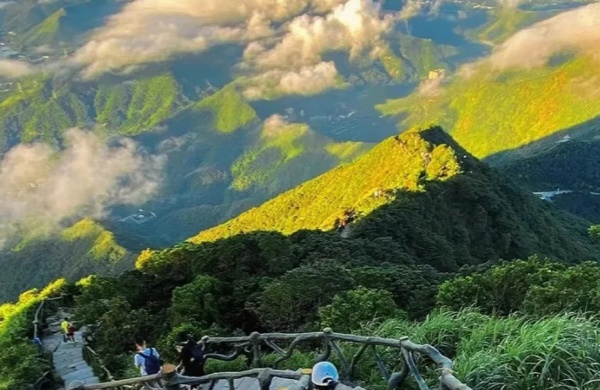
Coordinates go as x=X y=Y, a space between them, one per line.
x=71 y=329
x=152 y=364
x=198 y=354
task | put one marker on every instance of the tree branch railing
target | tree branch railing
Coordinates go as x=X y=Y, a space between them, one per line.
x=255 y=345
x=46 y=376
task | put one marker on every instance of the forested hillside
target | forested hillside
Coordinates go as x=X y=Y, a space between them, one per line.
x=571 y=165
x=447 y=207
x=540 y=102
x=83 y=248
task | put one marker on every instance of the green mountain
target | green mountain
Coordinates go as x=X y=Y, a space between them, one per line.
x=83 y=248
x=430 y=211
x=571 y=164
x=53 y=25
x=427 y=193
x=539 y=103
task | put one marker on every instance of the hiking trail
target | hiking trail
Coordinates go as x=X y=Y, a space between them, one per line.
x=67 y=358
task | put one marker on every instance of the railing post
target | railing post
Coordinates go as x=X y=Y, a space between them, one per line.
x=326 y=346
x=254 y=338
x=169 y=377
x=264 y=379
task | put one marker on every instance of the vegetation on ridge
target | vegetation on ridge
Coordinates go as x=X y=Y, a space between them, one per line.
x=20 y=362
x=83 y=248
x=229 y=109
x=540 y=102
x=397 y=163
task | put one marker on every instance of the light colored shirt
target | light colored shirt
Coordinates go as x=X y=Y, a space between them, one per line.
x=64 y=326
x=139 y=361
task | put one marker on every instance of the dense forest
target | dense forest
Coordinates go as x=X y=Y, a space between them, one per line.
x=570 y=165
x=83 y=248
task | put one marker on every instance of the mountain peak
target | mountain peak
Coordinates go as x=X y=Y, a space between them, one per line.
x=402 y=162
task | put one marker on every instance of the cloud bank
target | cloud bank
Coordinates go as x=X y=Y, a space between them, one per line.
x=40 y=186
x=577 y=29
x=284 y=39
x=154 y=30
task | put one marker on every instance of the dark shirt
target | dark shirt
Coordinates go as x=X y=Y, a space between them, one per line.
x=190 y=365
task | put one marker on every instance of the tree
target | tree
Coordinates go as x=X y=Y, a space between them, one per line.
x=574 y=289
x=594 y=231
x=501 y=289
x=350 y=309
x=197 y=301
x=292 y=301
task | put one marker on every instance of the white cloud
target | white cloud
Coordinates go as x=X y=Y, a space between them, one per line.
x=15 y=68
x=293 y=64
x=40 y=186
x=154 y=30
x=284 y=39
x=577 y=29
x=307 y=80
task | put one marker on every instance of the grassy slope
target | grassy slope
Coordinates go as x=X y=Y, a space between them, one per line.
x=290 y=150
x=504 y=21
x=104 y=246
x=509 y=353
x=38 y=109
x=139 y=106
x=229 y=110
x=442 y=206
x=538 y=102
x=46 y=32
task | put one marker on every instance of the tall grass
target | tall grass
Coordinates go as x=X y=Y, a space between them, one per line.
x=559 y=352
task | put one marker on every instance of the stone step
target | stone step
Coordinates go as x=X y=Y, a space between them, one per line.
x=84 y=381
x=81 y=373
x=63 y=370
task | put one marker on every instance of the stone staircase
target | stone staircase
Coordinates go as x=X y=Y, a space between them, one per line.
x=67 y=358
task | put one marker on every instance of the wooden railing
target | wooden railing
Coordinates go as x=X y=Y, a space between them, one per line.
x=46 y=376
x=256 y=345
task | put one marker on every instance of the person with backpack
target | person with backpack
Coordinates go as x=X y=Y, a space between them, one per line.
x=147 y=359
x=191 y=357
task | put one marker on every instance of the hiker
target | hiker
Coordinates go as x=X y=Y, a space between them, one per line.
x=324 y=376
x=147 y=359
x=38 y=344
x=68 y=330
x=191 y=356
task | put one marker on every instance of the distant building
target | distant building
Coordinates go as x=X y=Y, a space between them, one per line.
x=436 y=74
x=139 y=218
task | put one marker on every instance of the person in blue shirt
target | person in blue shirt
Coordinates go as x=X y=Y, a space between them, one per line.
x=147 y=359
